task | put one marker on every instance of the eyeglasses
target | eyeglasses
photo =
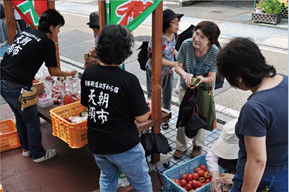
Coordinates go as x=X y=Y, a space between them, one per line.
x=202 y=38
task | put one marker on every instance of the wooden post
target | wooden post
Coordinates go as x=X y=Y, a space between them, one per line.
x=10 y=20
x=51 y=5
x=101 y=12
x=157 y=24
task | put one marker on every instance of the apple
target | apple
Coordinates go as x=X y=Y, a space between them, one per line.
x=183 y=182
x=189 y=177
x=207 y=174
x=201 y=173
x=202 y=179
x=202 y=166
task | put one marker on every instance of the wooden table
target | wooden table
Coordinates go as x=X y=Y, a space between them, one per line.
x=44 y=113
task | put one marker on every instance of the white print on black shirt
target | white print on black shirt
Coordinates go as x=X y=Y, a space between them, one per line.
x=101 y=100
x=103 y=86
x=21 y=41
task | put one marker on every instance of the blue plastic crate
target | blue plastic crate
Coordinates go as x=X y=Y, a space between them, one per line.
x=3 y=49
x=187 y=167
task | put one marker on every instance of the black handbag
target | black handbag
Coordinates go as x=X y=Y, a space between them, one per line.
x=154 y=143
x=189 y=114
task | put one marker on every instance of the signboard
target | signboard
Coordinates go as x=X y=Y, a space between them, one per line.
x=30 y=10
x=131 y=13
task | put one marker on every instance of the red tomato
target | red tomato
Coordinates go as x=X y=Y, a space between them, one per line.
x=196 y=176
x=203 y=167
x=208 y=180
x=197 y=169
x=201 y=173
x=202 y=179
x=189 y=177
x=190 y=182
x=195 y=183
x=184 y=176
x=189 y=186
x=207 y=174
x=184 y=188
x=177 y=181
x=183 y=182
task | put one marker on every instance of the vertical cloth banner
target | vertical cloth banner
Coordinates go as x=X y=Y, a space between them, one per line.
x=131 y=13
x=30 y=10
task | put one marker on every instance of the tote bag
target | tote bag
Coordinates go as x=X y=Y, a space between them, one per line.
x=206 y=105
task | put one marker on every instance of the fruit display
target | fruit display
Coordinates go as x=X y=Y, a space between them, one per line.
x=192 y=181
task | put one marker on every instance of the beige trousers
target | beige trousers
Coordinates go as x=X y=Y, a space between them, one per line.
x=182 y=139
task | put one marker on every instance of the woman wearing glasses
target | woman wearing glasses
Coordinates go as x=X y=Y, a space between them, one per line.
x=170 y=29
x=196 y=58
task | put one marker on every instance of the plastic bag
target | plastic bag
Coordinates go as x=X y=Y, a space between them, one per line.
x=122 y=180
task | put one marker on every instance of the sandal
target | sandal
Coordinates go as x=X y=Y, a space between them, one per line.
x=165 y=126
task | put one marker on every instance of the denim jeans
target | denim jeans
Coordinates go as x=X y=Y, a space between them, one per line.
x=27 y=121
x=277 y=182
x=132 y=163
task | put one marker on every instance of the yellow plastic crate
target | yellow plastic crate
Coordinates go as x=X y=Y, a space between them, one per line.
x=74 y=134
x=8 y=135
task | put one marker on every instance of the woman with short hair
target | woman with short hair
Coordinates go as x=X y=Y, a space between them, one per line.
x=196 y=58
x=20 y=63
x=262 y=127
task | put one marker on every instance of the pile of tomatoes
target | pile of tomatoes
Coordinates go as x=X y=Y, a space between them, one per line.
x=193 y=181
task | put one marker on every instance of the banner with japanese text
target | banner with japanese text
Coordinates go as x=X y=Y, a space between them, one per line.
x=131 y=13
x=30 y=10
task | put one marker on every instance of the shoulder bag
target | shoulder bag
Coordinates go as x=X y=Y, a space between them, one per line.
x=206 y=103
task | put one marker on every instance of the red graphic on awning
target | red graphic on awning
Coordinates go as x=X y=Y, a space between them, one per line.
x=30 y=10
x=131 y=9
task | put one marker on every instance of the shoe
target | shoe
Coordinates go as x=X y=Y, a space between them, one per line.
x=165 y=126
x=196 y=151
x=26 y=153
x=50 y=153
x=178 y=154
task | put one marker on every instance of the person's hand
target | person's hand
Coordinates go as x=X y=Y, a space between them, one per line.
x=73 y=72
x=226 y=178
x=215 y=185
x=188 y=79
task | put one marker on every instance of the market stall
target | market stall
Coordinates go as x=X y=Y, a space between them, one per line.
x=158 y=114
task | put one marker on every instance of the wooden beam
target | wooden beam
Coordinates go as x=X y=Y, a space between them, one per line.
x=10 y=20
x=101 y=12
x=157 y=24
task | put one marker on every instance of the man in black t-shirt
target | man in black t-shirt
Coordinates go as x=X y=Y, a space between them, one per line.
x=21 y=62
x=115 y=100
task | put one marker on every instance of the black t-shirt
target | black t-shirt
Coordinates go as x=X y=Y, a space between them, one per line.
x=114 y=97
x=25 y=56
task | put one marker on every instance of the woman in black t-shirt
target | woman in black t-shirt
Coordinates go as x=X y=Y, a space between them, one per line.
x=115 y=100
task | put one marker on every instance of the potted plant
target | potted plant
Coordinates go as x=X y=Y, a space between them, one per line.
x=259 y=7
x=272 y=12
